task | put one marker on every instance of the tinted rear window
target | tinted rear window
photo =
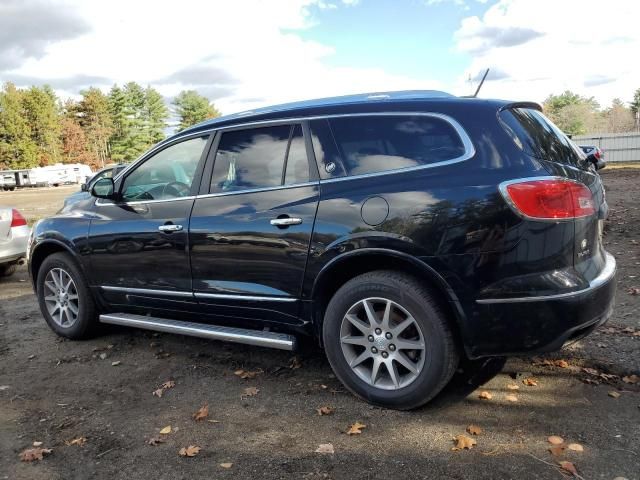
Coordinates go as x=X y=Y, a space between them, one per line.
x=380 y=143
x=537 y=136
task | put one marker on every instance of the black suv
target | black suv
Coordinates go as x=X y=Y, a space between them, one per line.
x=404 y=231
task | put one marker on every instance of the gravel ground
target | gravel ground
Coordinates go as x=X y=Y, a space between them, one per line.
x=54 y=391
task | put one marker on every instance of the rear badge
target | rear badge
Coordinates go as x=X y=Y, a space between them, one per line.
x=583 y=244
x=330 y=167
x=585 y=251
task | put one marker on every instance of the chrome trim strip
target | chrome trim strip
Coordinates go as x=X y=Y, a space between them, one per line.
x=502 y=187
x=258 y=338
x=250 y=298
x=253 y=190
x=146 y=291
x=605 y=275
x=140 y=202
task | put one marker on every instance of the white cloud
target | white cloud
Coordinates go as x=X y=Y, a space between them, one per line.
x=244 y=53
x=548 y=46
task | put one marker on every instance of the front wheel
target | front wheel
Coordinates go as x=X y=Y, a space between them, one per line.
x=389 y=341
x=64 y=297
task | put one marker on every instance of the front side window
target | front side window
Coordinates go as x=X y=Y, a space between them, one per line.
x=167 y=174
x=256 y=158
x=381 y=143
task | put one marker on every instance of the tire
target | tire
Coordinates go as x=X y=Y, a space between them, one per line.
x=433 y=365
x=8 y=269
x=85 y=322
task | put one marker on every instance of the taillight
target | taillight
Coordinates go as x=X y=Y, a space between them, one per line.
x=17 y=220
x=549 y=199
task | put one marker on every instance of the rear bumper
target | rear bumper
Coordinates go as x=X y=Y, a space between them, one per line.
x=15 y=246
x=533 y=324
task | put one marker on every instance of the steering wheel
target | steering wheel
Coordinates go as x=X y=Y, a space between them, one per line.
x=175 y=189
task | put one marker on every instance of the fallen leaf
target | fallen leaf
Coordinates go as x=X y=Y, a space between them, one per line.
x=614 y=394
x=591 y=371
x=484 y=395
x=555 y=440
x=226 y=465
x=190 y=451
x=156 y=440
x=474 y=430
x=576 y=447
x=166 y=430
x=462 y=442
x=168 y=384
x=631 y=379
x=37 y=444
x=246 y=374
x=326 y=410
x=294 y=363
x=250 y=392
x=530 y=382
x=31 y=454
x=633 y=291
x=513 y=386
x=158 y=393
x=325 y=448
x=80 y=441
x=561 y=363
x=202 y=413
x=511 y=398
x=557 y=451
x=356 y=428
x=103 y=356
x=116 y=363
x=568 y=467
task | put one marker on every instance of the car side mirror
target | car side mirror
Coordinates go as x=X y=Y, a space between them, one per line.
x=598 y=163
x=103 y=188
x=83 y=187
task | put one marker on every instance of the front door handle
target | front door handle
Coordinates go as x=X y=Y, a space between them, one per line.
x=285 y=222
x=170 y=228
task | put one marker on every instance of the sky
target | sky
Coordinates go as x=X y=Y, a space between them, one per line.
x=244 y=54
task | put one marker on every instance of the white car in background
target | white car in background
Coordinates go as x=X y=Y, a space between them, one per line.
x=14 y=234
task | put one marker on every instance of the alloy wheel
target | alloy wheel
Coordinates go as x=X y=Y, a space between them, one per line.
x=61 y=297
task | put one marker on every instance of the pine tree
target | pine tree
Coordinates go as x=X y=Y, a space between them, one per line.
x=43 y=116
x=192 y=108
x=17 y=148
x=155 y=115
x=117 y=102
x=92 y=114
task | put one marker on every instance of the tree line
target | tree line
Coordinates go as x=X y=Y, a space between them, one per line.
x=578 y=115
x=37 y=128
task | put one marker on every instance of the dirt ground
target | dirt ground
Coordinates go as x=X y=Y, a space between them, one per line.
x=53 y=391
x=36 y=203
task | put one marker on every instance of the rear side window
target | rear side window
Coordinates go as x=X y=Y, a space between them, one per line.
x=380 y=143
x=260 y=158
x=537 y=136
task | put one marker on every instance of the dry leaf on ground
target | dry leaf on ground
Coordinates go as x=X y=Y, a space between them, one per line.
x=166 y=430
x=247 y=374
x=80 y=441
x=294 y=363
x=561 y=363
x=555 y=440
x=156 y=440
x=568 y=467
x=202 y=413
x=325 y=448
x=474 y=430
x=116 y=363
x=462 y=442
x=31 y=454
x=165 y=386
x=576 y=447
x=158 y=393
x=484 y=395
x=511 y=398
x=513 y=386
x=530 y=382
x=190 y=451
x=614 y=394
x=356 y=428
x=37 y=444
x=557 y=451
x=250 y=392
x=633 y=291
x=631 y=379
x=226 y=465
x=325 y=410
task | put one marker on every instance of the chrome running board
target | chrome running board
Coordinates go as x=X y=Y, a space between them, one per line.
x=260 y=338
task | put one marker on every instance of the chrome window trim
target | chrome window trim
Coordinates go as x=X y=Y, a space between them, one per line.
x=603 y=277
x=250 y=298
x=470 y=150
x=502 y=187
x=146 y=291
x=140 y=202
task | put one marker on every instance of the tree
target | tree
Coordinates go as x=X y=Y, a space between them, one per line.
x=74 y=143
x=635 y=104
x=17 y=148
x=618 y=118
x=572 y=113
x=93 y=115
x=117 y=102
x=43 y=116
x=192 y=108
x=155 y=114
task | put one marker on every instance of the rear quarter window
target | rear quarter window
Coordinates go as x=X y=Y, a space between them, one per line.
x=539 y=137
x=370 y=144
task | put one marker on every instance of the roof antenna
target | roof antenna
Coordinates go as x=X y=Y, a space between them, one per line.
x=481 y=83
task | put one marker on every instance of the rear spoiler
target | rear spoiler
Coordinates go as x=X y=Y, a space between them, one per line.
x=534 y=105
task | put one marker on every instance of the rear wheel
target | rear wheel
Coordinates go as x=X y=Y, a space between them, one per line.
x=388 y=340
x=64 y=297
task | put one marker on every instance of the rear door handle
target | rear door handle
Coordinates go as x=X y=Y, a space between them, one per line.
x=285 y=222
x=170 y=228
